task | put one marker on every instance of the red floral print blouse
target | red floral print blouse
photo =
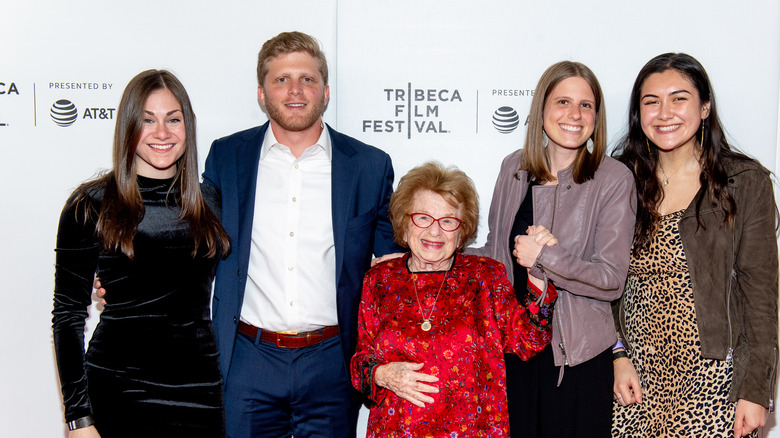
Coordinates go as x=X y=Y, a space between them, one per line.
x=475 y=319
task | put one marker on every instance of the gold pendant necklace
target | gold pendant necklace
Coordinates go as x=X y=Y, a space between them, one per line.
x=666 y=178
x=426 y=324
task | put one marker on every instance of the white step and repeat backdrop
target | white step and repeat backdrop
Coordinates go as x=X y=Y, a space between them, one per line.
x=421 y=80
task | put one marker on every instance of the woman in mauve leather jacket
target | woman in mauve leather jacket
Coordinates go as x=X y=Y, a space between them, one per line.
x=575 y=231
x=699 y=315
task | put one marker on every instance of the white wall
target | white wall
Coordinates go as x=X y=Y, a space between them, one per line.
x=472 y=47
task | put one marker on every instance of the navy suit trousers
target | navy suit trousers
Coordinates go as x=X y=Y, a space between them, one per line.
x=278 y=392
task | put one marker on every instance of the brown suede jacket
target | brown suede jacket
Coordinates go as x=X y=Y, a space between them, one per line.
x=734 y=273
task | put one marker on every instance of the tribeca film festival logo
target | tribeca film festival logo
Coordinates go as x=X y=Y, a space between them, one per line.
x=64 y=112
x=415 y=110
x=7 y=89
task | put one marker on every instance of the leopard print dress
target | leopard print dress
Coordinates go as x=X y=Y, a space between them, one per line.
x=683 y=394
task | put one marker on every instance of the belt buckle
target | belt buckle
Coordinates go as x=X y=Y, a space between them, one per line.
x=312 y=338
x=279 y=338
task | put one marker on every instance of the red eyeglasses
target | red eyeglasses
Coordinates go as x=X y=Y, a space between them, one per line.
x=422 y=220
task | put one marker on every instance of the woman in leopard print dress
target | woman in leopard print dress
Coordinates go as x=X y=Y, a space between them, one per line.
x=699 y=313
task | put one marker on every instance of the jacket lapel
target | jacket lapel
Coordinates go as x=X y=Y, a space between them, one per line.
x=343 y=187
x=247 y=162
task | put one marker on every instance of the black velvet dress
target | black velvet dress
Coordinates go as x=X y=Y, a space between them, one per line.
x=151 y=368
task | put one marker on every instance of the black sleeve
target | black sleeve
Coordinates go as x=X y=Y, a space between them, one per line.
x=76 y=262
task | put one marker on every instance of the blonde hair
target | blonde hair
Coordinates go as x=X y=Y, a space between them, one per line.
x=290 y=42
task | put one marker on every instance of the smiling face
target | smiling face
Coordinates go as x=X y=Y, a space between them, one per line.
x=163 y=138
x=432 y=248
x=671 y=110
x=570 y=113
x=293 y=92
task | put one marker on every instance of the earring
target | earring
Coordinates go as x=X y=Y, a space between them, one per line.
x=701 y=143
x=589 y=145
x=545 y=140
x=647 y=142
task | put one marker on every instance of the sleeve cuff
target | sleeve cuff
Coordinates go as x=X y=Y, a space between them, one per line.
x=540 y=305
x=80 y=423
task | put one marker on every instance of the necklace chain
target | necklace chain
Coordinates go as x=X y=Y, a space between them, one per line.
x=426 y=324
x=666 y=177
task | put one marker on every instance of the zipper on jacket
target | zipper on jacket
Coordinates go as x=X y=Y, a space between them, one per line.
x=732 y=277
x=772 y=382
x=562 y=344
x=555 y=207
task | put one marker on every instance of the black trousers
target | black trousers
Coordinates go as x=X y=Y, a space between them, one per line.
x=580 y=408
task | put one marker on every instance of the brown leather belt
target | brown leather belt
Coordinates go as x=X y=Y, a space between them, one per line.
x=281 y=340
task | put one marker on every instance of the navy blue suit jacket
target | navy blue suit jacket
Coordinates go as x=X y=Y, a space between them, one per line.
x=361 y=185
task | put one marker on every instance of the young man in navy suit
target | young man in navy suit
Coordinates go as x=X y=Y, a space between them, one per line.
x=306 y=208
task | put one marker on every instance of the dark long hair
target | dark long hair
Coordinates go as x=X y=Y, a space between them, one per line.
x=122 y=208
x=534 y=155
x=641 y=157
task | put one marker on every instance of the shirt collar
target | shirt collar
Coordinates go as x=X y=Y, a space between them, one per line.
x=269 y=141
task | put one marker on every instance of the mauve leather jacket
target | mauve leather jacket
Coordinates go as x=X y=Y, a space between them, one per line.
x=735 y=280
x=594 y=224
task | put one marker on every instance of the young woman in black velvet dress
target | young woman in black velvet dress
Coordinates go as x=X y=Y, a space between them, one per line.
x=151 y=236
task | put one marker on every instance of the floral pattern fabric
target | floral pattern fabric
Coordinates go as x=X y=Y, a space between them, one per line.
x=475 y=320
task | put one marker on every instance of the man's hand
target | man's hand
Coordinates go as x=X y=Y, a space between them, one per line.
x=99 y=291
x=385 y=258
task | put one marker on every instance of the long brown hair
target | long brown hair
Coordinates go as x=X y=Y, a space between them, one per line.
x=641 y=156
x=534 y=155
x=122 y=208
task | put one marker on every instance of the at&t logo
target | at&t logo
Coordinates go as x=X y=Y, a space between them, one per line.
x=506 y=119
x=64 y=112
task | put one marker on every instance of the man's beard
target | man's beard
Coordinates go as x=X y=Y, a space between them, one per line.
x=296 y=124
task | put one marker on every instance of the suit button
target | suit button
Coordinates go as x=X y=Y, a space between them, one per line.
x=238 y=272
x=234 y=320
x=731 y=180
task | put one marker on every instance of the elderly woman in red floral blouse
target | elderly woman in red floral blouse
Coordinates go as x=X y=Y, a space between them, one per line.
x=434 y=324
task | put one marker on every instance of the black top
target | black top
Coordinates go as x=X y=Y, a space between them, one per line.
x=523 y=219
x=156 y=328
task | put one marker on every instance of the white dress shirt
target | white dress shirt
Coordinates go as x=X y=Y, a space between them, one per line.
x=291 y=284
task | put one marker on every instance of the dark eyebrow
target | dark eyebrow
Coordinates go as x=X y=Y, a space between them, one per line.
x=167 y=114
x=681 y=92
x=563 y=96
x=671 y=94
